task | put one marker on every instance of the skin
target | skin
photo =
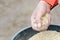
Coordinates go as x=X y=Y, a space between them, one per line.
x=58 y=1
x=41 y=9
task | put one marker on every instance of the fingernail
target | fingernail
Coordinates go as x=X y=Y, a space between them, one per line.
x=39 y=25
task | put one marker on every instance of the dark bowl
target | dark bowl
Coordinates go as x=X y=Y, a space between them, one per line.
x=28 y=32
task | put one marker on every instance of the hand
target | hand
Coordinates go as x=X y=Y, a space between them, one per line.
x=41 y=9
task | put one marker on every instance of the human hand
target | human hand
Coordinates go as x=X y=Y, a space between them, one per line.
x=36 y=21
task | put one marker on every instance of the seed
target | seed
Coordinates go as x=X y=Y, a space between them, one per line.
x=44 y=19
x=35 y=25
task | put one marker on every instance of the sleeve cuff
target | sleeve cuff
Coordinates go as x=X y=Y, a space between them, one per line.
x=52 y=3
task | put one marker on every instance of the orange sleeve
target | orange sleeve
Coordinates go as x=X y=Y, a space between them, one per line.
x=52 y=2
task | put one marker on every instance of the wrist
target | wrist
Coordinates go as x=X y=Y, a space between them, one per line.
x=46 y=4
x=52 y=3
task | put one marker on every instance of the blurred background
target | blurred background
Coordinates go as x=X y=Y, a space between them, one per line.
x=15 y=15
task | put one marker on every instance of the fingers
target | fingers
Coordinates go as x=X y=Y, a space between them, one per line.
x=40 y=24
x=36 y=22
x=35 y=25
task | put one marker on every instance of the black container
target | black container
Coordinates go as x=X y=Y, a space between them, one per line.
x=27 y=32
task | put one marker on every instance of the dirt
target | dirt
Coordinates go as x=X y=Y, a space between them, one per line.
x=15 y=15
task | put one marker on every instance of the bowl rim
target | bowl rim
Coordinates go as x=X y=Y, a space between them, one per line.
x=13 y=36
